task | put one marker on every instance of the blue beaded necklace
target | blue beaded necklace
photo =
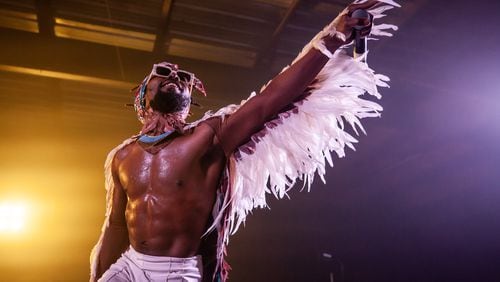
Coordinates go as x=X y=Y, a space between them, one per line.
x=148 y=139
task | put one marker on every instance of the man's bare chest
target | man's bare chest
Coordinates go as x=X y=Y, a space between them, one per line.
x=169 y=167
x=182 y=168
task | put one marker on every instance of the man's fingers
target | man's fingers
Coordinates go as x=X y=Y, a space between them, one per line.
x=357 y=21
x=365 y=32
x=351 y=21
x=367 y=5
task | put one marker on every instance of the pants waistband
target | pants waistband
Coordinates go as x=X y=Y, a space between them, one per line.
x=164 y=263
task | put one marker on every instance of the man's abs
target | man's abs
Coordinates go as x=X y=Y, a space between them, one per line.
x=167 y=226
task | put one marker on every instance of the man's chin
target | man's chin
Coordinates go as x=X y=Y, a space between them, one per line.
x=170 y=102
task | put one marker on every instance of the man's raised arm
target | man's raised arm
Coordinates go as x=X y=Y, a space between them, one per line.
x=289 y=85
x=115 y=235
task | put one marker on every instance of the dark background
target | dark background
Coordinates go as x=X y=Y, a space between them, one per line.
x=417 y=201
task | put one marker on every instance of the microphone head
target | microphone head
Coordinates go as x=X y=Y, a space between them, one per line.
x=360 y=14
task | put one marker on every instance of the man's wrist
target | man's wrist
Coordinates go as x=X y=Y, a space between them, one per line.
x=328 y=44
x=332 y=43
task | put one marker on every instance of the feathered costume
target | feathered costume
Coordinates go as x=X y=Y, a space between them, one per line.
x=313 y=128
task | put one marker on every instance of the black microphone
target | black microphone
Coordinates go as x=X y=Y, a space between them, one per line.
x=360 y=43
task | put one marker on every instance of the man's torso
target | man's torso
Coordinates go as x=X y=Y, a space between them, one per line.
x=170 y=194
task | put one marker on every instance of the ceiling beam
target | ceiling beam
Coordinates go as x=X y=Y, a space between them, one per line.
x=162 y=31
x=267 y=51
x=69 y=76
x=45 y=18
x=28 y=53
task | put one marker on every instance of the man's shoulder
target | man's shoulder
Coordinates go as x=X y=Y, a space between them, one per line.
x=120 y=151
x=214 y=125
x=211 y=121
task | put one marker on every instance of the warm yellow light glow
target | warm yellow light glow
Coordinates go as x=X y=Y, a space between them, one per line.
x=12 y=217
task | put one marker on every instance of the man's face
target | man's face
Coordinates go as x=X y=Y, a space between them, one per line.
x=169 y=94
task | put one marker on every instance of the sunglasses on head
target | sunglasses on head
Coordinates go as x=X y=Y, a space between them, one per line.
x=166 y=71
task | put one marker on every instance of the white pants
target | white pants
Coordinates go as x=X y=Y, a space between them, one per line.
x=134 y=266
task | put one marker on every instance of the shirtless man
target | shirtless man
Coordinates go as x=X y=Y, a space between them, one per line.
x=165 y=181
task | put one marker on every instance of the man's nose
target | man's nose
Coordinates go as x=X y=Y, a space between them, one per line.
x=173 y=74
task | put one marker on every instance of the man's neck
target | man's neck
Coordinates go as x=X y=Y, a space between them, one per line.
x=157 y=123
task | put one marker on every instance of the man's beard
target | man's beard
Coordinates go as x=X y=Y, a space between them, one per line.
x=170 y=101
